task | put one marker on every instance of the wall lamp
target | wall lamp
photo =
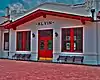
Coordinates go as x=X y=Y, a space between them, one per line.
x=33 y=35
x=56 y=34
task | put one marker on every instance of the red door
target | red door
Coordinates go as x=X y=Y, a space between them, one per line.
x=45 y=45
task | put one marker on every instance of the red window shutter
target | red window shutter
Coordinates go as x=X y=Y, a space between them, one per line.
x=72 y=39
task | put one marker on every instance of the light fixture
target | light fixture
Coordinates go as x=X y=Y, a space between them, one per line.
x=56 y=34
x=33 y=35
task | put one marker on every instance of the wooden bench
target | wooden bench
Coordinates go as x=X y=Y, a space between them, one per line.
x=79 y=59
x=27 y=56
x=72 y=59
x=22 y=56
x=18 y=56
x=62 y=58
x=14 y=56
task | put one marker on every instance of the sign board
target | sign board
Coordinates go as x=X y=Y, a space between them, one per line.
x=42 y=23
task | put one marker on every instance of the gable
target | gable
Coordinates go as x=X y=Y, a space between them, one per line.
x=43 y=13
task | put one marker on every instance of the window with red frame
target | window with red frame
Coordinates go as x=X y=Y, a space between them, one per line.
x=72 y=39
x=6 y=41
x=23 y=41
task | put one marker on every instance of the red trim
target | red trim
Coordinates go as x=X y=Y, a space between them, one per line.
x=72 y=39
x=39 y=13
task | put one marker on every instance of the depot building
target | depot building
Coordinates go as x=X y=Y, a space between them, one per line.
x=51 y=32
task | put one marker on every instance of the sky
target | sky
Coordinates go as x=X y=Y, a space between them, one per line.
x=3 y=4
x=28 y=4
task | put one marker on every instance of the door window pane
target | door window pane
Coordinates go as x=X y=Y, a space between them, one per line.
x=49 y=44
x=41 y=45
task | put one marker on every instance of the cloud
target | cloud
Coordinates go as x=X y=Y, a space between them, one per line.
x=1 y=11
x=43 y=1
x=27 y=1
x=17 y=8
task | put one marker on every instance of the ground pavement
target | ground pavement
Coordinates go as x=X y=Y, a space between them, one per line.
x=24 y=70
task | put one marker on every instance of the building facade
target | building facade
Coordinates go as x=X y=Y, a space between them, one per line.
x=53 y=30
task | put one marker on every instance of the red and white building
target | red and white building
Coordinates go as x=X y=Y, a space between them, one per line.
x=51 y=30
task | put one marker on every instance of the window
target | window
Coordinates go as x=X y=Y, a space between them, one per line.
x=72 y=39
x=23 y=41
x=6 y=41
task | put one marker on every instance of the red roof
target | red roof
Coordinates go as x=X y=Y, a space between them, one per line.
x=43 y=13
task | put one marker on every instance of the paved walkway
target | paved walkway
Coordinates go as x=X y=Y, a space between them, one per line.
x=23 y=70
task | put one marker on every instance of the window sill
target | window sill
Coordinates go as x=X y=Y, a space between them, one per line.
x=5 y=51
x=72 y=53
x=23 y=51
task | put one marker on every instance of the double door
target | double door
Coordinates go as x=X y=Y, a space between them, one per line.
x=45 y=45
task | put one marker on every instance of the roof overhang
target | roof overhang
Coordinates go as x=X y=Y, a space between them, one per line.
x=43 y=13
